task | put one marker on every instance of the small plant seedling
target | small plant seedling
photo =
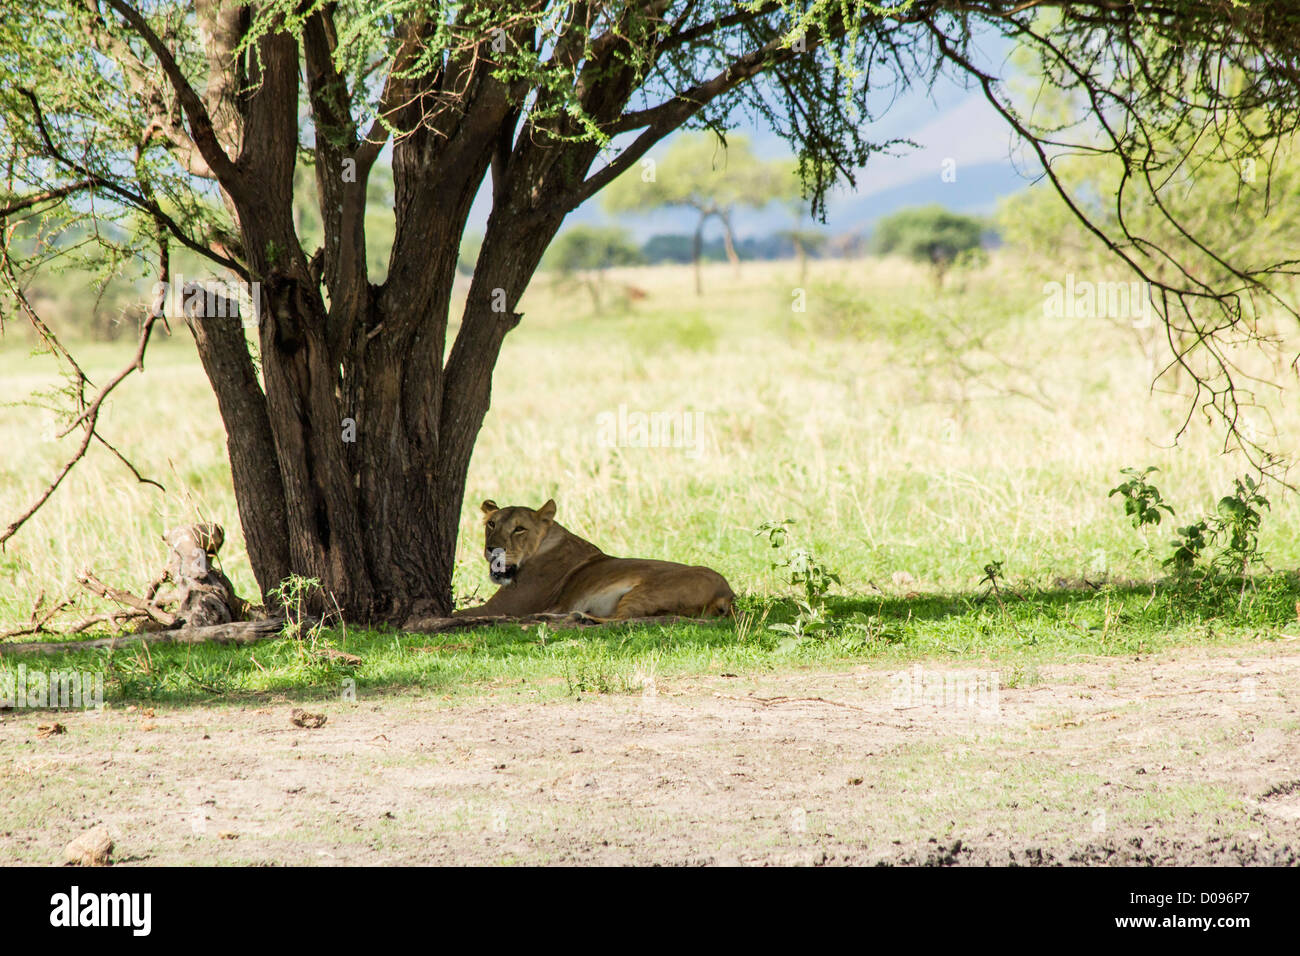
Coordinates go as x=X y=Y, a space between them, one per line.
x=1142 y=500
x=292 y=595
x=1189 y=544
x=1231 y=531
x=806 y=571
x=992 y=575
x=1238 y=518
x=776 y=531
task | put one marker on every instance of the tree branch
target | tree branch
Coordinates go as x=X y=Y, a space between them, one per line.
x=135 y=199
x=201 y=129
x=36 y=199
x=89 y=417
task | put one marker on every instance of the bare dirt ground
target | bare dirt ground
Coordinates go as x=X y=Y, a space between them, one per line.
x=1185 y=759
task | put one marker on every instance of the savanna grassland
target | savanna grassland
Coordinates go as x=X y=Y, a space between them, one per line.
x=917 y=433
x=906 y=428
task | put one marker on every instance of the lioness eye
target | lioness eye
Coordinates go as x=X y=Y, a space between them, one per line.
x=518 y=530
x=491 y=525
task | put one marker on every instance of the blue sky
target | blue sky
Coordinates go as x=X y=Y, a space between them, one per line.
x=954 y=124
x=949 y=121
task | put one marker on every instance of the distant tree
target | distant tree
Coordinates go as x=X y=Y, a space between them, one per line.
x=846 y=245
x=803 y=239
x=583 y=253
x=805 y=242
x=701 y=172
x=667 y=247
x=930 y=234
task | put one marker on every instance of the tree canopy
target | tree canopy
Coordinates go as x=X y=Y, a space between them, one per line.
x=704 y=173
x=930 y=234
x=709 y=175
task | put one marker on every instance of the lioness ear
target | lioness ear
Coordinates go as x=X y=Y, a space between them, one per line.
x=547 y=511
x=489 y=506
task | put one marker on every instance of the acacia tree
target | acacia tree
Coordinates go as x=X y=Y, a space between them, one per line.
x=581 y=255
x=930 y=234
x=163 y=124
x=805 y=241
x=711 y=177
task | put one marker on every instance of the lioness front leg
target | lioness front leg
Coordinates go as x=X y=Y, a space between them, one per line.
x=502 y=604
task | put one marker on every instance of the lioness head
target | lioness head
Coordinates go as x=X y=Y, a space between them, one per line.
x=512 y=535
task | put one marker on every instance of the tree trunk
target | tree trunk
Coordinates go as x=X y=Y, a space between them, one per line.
x=351 y=455
x=729 y=240
x=336 y=468
x=250 y=446
x=337 y=453
x=352 y=472
x=697 y=252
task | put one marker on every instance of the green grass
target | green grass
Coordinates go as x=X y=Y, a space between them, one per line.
x=914 y=434
x=1028 y=629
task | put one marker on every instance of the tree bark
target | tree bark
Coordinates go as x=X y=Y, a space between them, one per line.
x=250 y=445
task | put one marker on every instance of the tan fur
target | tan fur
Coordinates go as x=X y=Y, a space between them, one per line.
x=558 y=572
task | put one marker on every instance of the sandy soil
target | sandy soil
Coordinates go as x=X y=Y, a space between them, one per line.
x=1193 y=758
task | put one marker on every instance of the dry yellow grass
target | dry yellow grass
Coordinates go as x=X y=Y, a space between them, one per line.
x=904 y=427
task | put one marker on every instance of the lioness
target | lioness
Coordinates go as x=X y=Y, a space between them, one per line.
x=544 y=568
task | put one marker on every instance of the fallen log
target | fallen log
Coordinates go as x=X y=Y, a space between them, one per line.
x=251 y=632
x=235 y=632
x=204 y=595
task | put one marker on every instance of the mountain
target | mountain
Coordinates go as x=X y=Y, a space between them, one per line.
x=963 y=159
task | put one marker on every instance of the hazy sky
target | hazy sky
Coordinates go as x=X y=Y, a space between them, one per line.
x=954 y=124
x=948 y=121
